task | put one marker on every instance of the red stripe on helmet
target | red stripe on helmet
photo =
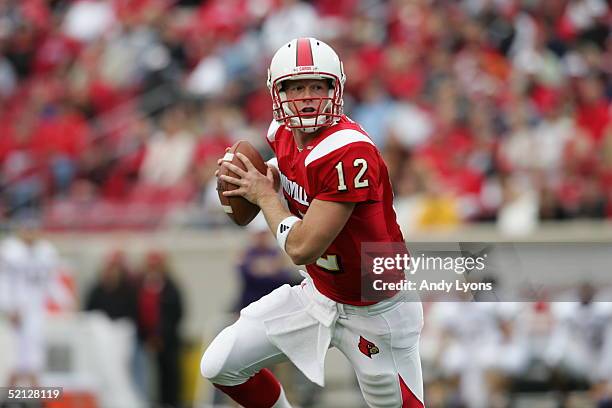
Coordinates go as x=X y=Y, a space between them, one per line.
x=304 y=53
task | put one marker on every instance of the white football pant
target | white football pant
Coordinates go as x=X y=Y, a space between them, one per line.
x=380 y=341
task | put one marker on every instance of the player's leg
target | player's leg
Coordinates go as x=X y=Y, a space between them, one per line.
x=384 y=352
x=235 y=363
x=236 y=359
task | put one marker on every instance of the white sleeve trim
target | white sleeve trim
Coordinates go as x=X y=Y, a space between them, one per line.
x=334 y=142
x=273 y=162
x=274 y=125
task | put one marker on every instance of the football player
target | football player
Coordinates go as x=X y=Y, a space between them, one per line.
x=339 y=196
x=28 y=265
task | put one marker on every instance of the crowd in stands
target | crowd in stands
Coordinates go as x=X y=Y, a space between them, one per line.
x=113 y=113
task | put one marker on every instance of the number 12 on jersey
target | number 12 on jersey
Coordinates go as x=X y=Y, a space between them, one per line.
x=359 y=181
x=331 y=263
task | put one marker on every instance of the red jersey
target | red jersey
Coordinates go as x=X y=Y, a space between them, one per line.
x=340 y=164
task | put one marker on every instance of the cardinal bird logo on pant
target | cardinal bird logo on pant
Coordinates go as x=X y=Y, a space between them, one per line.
x=367 y=347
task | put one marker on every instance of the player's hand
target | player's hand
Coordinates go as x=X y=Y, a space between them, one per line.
x=275 y=176
x=252 y=184
x=220 y=161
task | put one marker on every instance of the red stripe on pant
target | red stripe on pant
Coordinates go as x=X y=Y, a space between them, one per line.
x=409 y=400
x=260 y=391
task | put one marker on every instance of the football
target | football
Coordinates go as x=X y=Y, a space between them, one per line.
x=239 y=209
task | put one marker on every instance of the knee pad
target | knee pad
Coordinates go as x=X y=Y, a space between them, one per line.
x=214 y=358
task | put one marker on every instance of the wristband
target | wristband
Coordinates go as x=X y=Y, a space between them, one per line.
x=284 y=227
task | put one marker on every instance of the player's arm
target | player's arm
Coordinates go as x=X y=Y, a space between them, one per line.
x=346 y=176
x=309 y=238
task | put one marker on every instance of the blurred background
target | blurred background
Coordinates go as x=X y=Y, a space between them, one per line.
x=118 y=266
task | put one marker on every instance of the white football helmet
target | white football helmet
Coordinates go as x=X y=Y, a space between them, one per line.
x=306 y=58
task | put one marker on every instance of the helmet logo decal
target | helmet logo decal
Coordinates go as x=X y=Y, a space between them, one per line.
x=306 y=68
x=304 y=53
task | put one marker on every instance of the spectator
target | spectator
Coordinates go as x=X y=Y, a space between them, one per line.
x=23 y=175
x=160 y=310
x=169 y=152
x=373 y=112
x=262 y=267
x=480 y=350
x=114 y=293
x=518 y=211
x=593 y=112
x=438 y=208
x=292 y=19
x=578 y=350
x=62 y=135
x=88 y=20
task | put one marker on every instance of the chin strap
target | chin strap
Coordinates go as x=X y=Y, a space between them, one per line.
x=310 y=129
